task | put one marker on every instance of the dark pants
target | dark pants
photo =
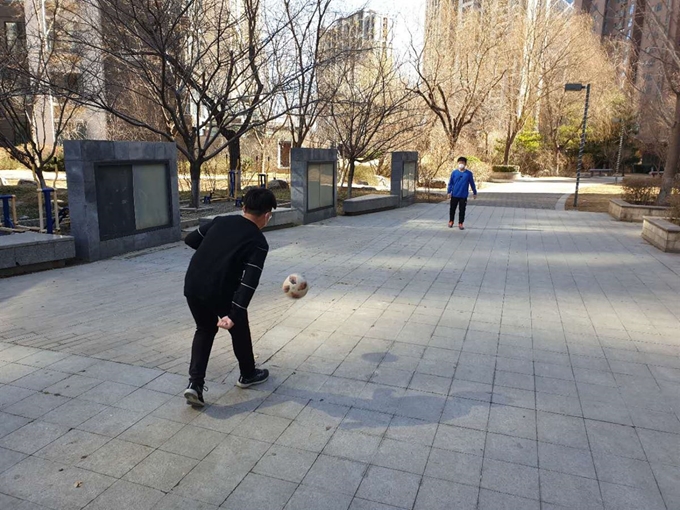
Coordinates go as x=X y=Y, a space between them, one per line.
x=461 y=203
x=206 y=317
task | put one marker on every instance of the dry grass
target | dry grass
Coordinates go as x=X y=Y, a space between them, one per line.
x=595 y=198
x=27 y=199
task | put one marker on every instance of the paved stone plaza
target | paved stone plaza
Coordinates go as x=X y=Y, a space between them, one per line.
x=529 y=362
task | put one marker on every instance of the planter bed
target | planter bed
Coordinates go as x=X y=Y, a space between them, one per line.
x=662 y=234
x=623 y=211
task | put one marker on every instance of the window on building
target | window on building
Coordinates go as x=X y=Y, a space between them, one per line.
x=15 y=34
x=72 y=82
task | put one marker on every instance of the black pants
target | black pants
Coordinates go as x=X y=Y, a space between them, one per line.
x=206 y=317
x=461 y=203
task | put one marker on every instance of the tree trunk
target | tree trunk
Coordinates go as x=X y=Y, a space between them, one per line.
x=195 y=172
x=350 y=178
x=672 y=157
x=235 y=160
x=41 y=178
x=509 y=139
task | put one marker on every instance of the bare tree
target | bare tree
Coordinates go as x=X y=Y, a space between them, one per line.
x=30 y=61
x=547 y=43
x=463 y=60
x=205 y=65
x=369 y=113
x=306 y=23
x=662 y=58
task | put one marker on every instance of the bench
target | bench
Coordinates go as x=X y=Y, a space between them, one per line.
x=656 y=173
x=32 y=251
x=281 y=217
x=370 y=203
x=600 y=171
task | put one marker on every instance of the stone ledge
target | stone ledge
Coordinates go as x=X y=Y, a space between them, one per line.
x=662 y=234
x=281 y=218
x=623 y=211
x=33 y=251
x=370 y=203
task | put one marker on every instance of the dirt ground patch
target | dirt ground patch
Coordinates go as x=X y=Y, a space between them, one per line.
x=594 y=198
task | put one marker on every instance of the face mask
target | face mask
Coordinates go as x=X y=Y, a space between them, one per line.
x=461 y=166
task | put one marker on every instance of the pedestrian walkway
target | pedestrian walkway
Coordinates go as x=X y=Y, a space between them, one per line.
x=533 y=193
x=531 y=361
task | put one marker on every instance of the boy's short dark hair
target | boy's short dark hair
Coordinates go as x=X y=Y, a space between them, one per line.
x=462 y=159
x=259 y=201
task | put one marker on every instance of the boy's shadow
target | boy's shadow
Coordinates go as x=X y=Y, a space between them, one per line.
x=423 y=408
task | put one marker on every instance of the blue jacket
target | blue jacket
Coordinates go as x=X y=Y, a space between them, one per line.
x=460 y=182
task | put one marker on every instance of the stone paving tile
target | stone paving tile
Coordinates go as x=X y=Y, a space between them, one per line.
x=40 y=379
x=570 y=491
x=305 y=498
x=511 y=449
x=668 y=478
x=161 y=470
x=389 y=486
x=512 y=421
x=442 y=495
x=108 y=393
x=111 y=421
x=257 y=492
x=72 y=447
x=491 y=500
x=285 y=463
x=563 y=430
x=9 y=423
x=335 y=474
x=124 y=494
x=573 y=461
x=151 y=431
x=36 y=405
x=352 y=445
x=115 y=458
x=216 y=476
x=52 y=484
x=33 y=436
x=454 y=466
x=510 y=478
x=9 y=458
x=13 y=394
x=631 y=498
x=610 y=438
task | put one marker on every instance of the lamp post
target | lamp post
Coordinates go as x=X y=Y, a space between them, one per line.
x=578 y=87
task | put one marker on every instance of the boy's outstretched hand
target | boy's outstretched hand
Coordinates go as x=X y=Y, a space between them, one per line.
x=225 y=323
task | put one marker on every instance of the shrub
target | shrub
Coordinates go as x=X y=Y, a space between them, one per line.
x=7 y=162
x=480 y=169
x=57 y=162
x=639 y=190
x=674 y=212
x=505 y=168
x=364 y=172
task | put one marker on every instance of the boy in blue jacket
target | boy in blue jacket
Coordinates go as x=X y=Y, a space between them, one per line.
x=459 y=183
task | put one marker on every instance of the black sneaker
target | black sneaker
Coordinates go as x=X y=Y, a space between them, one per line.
x=194 y=394
x=258 y=377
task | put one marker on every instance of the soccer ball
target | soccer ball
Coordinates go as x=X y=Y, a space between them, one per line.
x=295 y=286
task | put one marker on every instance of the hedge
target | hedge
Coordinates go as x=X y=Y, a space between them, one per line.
x=505 y=168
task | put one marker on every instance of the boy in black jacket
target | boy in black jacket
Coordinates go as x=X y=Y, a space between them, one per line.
x=220 y=282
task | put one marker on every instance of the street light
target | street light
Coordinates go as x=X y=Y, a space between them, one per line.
x=578 y=87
